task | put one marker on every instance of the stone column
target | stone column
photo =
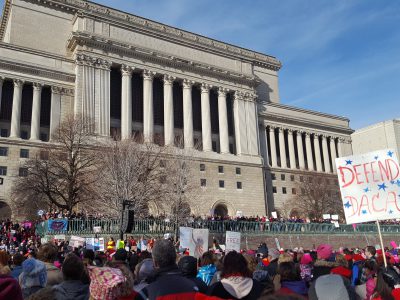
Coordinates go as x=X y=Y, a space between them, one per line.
x=300 y=152
x=292 y=157
x=36 y=102
x=274 y=159
x=282 y=150
x=102 y=97
x=263 y=143
x=206 y=117
x=317 y=149
x=340 y=147
x=223 y=121
x=187 y=114
x=55 y=113
x=326 y=154
x=333 y=153
x=126 y=102
x=148 y=114
x=169 y=135
x=310 y=161
x=16 y=109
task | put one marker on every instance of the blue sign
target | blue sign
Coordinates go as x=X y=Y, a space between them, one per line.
x=58 y=225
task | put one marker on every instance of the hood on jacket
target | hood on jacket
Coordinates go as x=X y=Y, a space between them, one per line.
x=33 y=274
x=239 y=287
x=329 y=287
x=298 y=287
x=72 y=289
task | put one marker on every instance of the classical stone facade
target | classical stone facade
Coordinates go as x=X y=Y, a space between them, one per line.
x=136 y=76
x=378 y=136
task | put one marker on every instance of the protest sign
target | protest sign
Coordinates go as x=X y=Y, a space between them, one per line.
x=199 y=243
x=185 y=236
x=57 y=225
x=326 y=216
x=59 y=237
x=101 y=244
x=278 y=245
x=96 y=229
x=76 y=241
x=274 y=214
x=335 y=217
x=90 y=243
x=232 y=241
x=369 y=185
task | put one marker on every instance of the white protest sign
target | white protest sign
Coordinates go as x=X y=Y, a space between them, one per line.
x=101 y=244
x=90 y=243
x=199 y=243
x=185 y=237
x=59 y=237
x=44 y=240
x=278 y=246
x=274 y=215
x=326 y=216
x=370 y=185
x=96 y=229
x=335 y=217
x=232 y=241
x=76 y=241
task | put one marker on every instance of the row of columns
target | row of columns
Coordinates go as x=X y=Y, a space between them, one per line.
x=321 y=155
x=169 y=135
x=15 y=128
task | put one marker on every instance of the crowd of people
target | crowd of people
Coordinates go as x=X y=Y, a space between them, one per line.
x=164 y=270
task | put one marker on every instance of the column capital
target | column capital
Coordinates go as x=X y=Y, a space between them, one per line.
x=126 y=70
x=37 y=86
x=56 y=90
x=187 y=84
x=18 y=82
x=300 y=132
x=280 y=129
x=238 y=95
x=205 y=87
x=250 y=97
x=168 y=79
x=271 y=127
x=148 y=74
x=316 y=136
x=222 y=91
x=103 y=64
x=290 y=131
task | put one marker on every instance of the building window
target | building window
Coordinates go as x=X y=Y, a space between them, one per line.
x=222 y=184
x=43 y=137
x=203 y=182
x=202 y=167
x=291 y=177
x=284 y=190
x=294 y=192
x=301 y=179
x=24 y=135
x=239 y=185
x=238 y=171
x=274 y=189
x=24 y=153
x=23 y=172
x=3 y=171
x=4 y=132
x=3 y=151
x=220 y=169
x=273 y=176
x=283 y=177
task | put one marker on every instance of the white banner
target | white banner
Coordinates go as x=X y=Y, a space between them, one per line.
x=101 y=244
x=76 y=241
x=59 y=237
x=274 y=215
x=326 y=216
x=370 y=185
x=232 y=241
x=185 y=236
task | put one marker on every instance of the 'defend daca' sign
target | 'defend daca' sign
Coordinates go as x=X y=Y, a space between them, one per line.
x=370 y=186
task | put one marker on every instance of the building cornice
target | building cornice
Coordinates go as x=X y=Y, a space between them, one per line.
x=33 y=70
x=79 y=38
x=4 y=18
x=160 y=30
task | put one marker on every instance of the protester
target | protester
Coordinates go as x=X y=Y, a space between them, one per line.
x=9 y=287
x=331 y=287
x=17 y=260
x=237 y=281
x=306 y=267
x=188 y=266
x=72 y=288
x=207 y=268
x=168 y=279
x=386 y=286
x=33 y=277
x=142 y=271
x=48 y=254
x=290 y=279
x=323 y=264
x=105 y=283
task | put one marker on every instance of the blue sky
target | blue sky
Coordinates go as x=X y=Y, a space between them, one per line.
x=340 y=57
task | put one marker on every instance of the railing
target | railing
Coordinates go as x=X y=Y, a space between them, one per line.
x=157 y=227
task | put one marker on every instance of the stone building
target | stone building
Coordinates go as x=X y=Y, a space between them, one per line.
x=379 y=136
x=135 y=76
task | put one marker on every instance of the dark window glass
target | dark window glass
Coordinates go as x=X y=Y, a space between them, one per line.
x=221 y=184
x=24 y=153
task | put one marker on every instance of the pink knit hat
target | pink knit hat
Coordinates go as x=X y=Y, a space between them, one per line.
x=324 y=251
x=306 y=259
x=105 y=283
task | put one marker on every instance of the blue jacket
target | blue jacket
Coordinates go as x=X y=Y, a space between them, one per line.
x=16 y=272
x=206 y=273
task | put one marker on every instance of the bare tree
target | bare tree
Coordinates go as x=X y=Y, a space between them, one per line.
x=64 y=173
x=134 y=172
x=316 y=195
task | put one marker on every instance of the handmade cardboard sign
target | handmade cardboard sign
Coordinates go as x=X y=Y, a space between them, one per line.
x=370 y=186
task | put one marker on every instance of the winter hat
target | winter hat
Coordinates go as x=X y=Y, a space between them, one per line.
x=33 y=274
x=306 y=259
x=9 y=288
x=324 y=251
x=342 y=271
x=120 y=255
x=146 y=269
x=105 y=283
x=188 y=266
x=328 y=287
x=358 y=257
